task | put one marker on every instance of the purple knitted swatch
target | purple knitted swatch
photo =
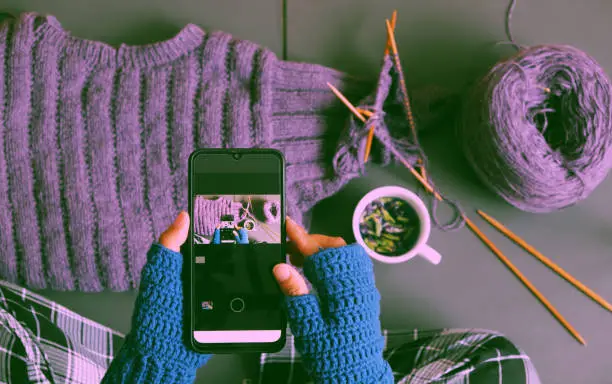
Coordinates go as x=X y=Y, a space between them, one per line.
x=207 y=213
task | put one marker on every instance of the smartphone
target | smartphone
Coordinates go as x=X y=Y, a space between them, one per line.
x=235 y=304
x=228 y=232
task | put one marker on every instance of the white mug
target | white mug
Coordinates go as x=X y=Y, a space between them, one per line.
x=420 y=248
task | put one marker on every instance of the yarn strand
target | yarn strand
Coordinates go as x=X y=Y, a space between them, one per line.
x=508 y=23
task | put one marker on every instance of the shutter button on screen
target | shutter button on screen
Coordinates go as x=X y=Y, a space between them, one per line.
x=237 y=305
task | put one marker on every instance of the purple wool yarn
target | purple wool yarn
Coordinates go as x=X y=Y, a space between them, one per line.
x=537 y=128
x=271 y=210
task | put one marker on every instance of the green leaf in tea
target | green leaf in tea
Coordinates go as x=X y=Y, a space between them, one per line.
x=389 y=226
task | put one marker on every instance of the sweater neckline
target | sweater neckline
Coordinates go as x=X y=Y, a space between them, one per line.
x=133 y=56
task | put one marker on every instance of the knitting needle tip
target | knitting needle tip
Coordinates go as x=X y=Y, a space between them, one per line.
x=348 y=104
x=546 y=261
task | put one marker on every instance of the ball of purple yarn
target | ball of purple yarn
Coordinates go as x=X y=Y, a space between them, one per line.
x=271 y=210
x=537 y=129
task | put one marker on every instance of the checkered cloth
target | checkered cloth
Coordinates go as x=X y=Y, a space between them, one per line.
x=445 y=356
x=43 y=342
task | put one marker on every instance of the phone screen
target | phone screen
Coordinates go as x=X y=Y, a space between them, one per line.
x=237 y=238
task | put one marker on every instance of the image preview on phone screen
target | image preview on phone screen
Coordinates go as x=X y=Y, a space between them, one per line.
x=236 y=240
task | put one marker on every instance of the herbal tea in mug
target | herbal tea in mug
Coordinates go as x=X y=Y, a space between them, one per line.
x=390 y=226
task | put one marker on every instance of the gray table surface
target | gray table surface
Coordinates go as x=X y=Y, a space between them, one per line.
x=441 y=42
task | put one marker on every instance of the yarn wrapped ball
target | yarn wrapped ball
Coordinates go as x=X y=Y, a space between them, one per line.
x=537 y=128
x=272 y=211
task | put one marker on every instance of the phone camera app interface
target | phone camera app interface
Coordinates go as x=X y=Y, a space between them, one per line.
x=236 y=241
x=237 y=219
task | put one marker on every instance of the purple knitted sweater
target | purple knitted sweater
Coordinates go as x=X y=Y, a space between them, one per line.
x=94 y=141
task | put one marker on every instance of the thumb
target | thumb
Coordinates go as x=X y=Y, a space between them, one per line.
x=290 y=281
x=176 y=234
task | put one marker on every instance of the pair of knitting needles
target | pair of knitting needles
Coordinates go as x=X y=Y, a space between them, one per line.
x=361 y=115
x=269 y=231
x=391 y=47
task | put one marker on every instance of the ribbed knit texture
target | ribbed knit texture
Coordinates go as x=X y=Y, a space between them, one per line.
x=94 y=141
x=154 y=351
x=339 y=335
x=206 y=213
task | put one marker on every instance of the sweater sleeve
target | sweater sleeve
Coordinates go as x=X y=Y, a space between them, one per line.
x=155 y=351
x=339 y=334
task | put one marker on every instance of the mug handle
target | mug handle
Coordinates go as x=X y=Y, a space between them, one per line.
x=430 y=254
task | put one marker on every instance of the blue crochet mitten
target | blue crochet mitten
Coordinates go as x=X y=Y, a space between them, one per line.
x=339 y=336
x=155 y=351
x=242 y=236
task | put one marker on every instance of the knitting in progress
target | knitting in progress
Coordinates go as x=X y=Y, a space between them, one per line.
x=94 y=141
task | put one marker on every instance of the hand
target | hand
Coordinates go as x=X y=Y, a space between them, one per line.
x=217 y=236
x=157 y=323
x=301 y=246
x=338 y=335
x=242 y=236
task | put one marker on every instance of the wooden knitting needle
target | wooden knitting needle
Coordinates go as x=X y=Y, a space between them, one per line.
x=546 y=261
x=358 y=113
x=407 y=107
x=350 y=106
x=368 y=147
x=477 y=232
x=393 y=21
x=360 y=116
x=365 y=112
x=391 y=38
x=525 y=281
x=370 y=139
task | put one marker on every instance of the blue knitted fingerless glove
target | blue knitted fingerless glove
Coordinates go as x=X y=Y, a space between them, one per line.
x=242 y=237
x=339 y=336
x=154 y=351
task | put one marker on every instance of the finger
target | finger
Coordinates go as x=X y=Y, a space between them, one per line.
x=297 y=234
x=176 y=234
x=289 y=280
x=323 y=241
x=328 y=241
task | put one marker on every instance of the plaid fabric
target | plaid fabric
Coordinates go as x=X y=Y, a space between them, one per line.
x=446 y=356
x=43 y=342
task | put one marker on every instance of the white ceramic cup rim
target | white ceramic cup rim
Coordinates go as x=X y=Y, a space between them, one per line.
x=412 y=199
